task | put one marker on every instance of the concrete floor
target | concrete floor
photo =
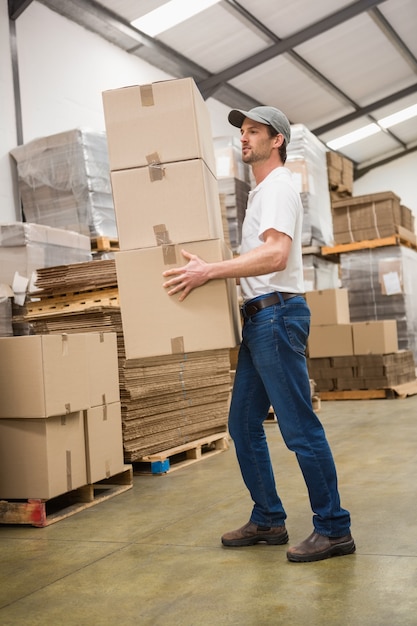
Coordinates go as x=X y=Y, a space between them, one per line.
x=152 y=556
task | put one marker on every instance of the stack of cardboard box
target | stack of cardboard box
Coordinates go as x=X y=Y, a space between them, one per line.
x=60 y=417
x=166 y=199
x=340 y=350
x=340 y=175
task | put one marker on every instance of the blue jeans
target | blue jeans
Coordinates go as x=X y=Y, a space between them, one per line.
x=272 y=371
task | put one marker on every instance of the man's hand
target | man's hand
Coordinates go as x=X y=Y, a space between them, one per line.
x=185 y=279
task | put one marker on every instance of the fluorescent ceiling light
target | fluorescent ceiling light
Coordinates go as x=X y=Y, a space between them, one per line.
x=170 y=14
x=372 y=129
x=397 y=118
x=356 y=135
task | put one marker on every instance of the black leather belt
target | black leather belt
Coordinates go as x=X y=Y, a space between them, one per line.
x=252 y=307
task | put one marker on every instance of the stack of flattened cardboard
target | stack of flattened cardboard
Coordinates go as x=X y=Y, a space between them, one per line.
x=367 y=371
x=166 y=400
x=372 y=216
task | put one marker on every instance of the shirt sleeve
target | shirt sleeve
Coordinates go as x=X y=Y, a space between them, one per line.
x=280 y=209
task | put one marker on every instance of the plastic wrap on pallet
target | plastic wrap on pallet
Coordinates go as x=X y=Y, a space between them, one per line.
x=306 y=158
x=234 y=182
x=320 y=273
x=64 y=182
x=382 y=285
x=6 y=327
x=25 y=248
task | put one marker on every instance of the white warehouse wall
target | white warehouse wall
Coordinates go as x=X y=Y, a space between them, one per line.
x=63 y=70
x=8 y=199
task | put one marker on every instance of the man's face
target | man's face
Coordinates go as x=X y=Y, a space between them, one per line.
x=257 y=144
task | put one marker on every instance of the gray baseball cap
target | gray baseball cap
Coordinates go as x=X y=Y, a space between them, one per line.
x=265 y=115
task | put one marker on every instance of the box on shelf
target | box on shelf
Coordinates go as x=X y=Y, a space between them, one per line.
x=375 y=337
x=42 y=458
x=328 y=306
x=104 y=441
x=160 y=122
x=331 y=340
x=166 y=204
x=155 y=323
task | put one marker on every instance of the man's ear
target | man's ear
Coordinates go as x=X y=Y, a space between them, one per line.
x=279 y=140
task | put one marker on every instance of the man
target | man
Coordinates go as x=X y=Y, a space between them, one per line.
x=271 y=367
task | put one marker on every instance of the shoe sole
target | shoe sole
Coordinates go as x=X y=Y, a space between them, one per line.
x=342 y=549
x=251 y=541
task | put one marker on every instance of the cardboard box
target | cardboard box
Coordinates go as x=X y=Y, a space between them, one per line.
x=159 y=122
x=375 y=337
x=42 y=458
x=166 y=204
x=104 y=442
x=103 y=368
x=328 y=306
x=43 y=375
x=155 y=323
x=332 y=340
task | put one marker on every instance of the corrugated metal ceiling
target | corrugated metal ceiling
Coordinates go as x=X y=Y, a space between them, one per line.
x=332 y=65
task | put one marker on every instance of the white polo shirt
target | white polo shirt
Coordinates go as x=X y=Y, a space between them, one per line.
x=274 y=203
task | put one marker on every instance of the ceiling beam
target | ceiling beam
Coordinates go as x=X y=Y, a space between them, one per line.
x=393 y=37
x=16 y=8
x=363 y=111
x=287 y=44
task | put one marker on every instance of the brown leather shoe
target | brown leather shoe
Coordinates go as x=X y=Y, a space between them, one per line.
x=318 y=547
x=250 y=534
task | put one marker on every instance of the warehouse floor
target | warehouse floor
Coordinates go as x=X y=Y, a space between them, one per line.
x=152 y=555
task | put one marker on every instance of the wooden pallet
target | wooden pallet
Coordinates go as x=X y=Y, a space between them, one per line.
x=73 y=302
x=399 y=391
x=403 y=237
x=41 y=513
x=104 y=244
x=182 y=456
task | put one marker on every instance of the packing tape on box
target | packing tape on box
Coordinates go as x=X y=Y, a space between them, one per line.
x=169 y=254
x=156 y=169
x=177 y=345
x=146 y=96
x=64 y=347
x=161 y=235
